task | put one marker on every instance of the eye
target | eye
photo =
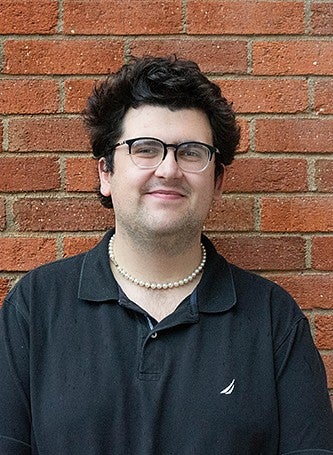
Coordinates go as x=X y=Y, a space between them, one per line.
x=146 y=149
x=192 y=152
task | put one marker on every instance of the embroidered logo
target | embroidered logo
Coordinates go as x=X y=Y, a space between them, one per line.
x=228 y=390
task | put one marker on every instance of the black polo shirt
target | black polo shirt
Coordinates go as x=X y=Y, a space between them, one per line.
x=232 y=371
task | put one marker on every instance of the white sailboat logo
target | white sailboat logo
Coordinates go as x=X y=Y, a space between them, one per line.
x=228 y=390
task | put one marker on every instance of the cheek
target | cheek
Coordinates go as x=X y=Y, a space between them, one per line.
x=125 y=185
x=206 y=187
x=208 y=194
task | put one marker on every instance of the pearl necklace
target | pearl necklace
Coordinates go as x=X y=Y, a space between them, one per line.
x=152 y=285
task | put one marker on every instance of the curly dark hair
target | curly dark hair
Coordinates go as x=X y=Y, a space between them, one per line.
x=160 y=81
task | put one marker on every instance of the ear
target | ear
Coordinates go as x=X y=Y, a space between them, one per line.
x=219 y=183
x=104 y=178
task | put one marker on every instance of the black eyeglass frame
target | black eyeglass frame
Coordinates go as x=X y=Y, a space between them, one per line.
x=130 y=142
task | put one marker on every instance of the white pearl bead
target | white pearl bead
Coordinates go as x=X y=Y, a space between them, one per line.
x=149 y=285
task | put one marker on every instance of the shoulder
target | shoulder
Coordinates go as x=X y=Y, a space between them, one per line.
x=248 y=291
x=247 y=284
x=58 y=283
x=51 y=272
x=45 y=281
x=268 y=301
x=258 y=300
x=253 y=285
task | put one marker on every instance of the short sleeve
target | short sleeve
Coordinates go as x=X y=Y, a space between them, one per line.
x=15 y=416
x=305 y=412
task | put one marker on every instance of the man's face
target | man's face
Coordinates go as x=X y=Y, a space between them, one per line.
x=164 y=200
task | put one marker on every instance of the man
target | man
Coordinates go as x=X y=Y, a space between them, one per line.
x=152 y=343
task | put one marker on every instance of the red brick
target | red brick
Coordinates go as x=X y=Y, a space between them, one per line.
x=328 y=362
x=309 y=290
x=2 y=214
x=56 y=215
x=297 y=214
x=124 y=17
x=266 y=95
x=239 y=17
x=212 y=55
x=322 y=253
x=76 y=94
x=65 y=56
x=324 y=331
x=256 y=175
x=81 y=174
x=18 y=96
x=256 y=252
x=1 y=134
x=4 y=289
x=293 y=57
x=231 y=214
x=245 y=136
x=294 y=135
x=323 y=96
x=22 y=254
x=28 y=16
x=47 y=134
x=29 y=174
x=77 y=245
x=324 y=175
x=322 y=18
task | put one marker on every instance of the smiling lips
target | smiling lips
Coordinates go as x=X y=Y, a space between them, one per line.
x=166 y=194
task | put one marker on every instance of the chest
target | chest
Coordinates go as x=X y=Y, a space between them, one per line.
x=199 y=375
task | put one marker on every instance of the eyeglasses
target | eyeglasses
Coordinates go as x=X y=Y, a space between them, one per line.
x=149 y=152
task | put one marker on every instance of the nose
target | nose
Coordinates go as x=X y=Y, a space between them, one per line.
x=169 y=167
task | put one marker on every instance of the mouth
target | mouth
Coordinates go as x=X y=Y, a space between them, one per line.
x=166 y=194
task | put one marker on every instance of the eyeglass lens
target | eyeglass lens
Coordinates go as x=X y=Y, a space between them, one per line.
x=149 y=153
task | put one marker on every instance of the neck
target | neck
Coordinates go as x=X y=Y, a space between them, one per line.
x=159 y=260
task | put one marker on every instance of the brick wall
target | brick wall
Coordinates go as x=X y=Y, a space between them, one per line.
x=272 y=58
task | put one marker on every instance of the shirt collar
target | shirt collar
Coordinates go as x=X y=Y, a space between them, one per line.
x=216 y=291
x=97 y=282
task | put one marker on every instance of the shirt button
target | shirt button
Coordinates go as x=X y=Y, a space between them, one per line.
x=154 y=335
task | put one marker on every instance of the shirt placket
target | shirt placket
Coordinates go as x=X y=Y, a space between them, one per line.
x=151 y=354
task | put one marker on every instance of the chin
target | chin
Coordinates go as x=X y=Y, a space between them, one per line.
x=180 y=227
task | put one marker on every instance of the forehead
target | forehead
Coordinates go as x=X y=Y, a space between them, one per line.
x=166 y=124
